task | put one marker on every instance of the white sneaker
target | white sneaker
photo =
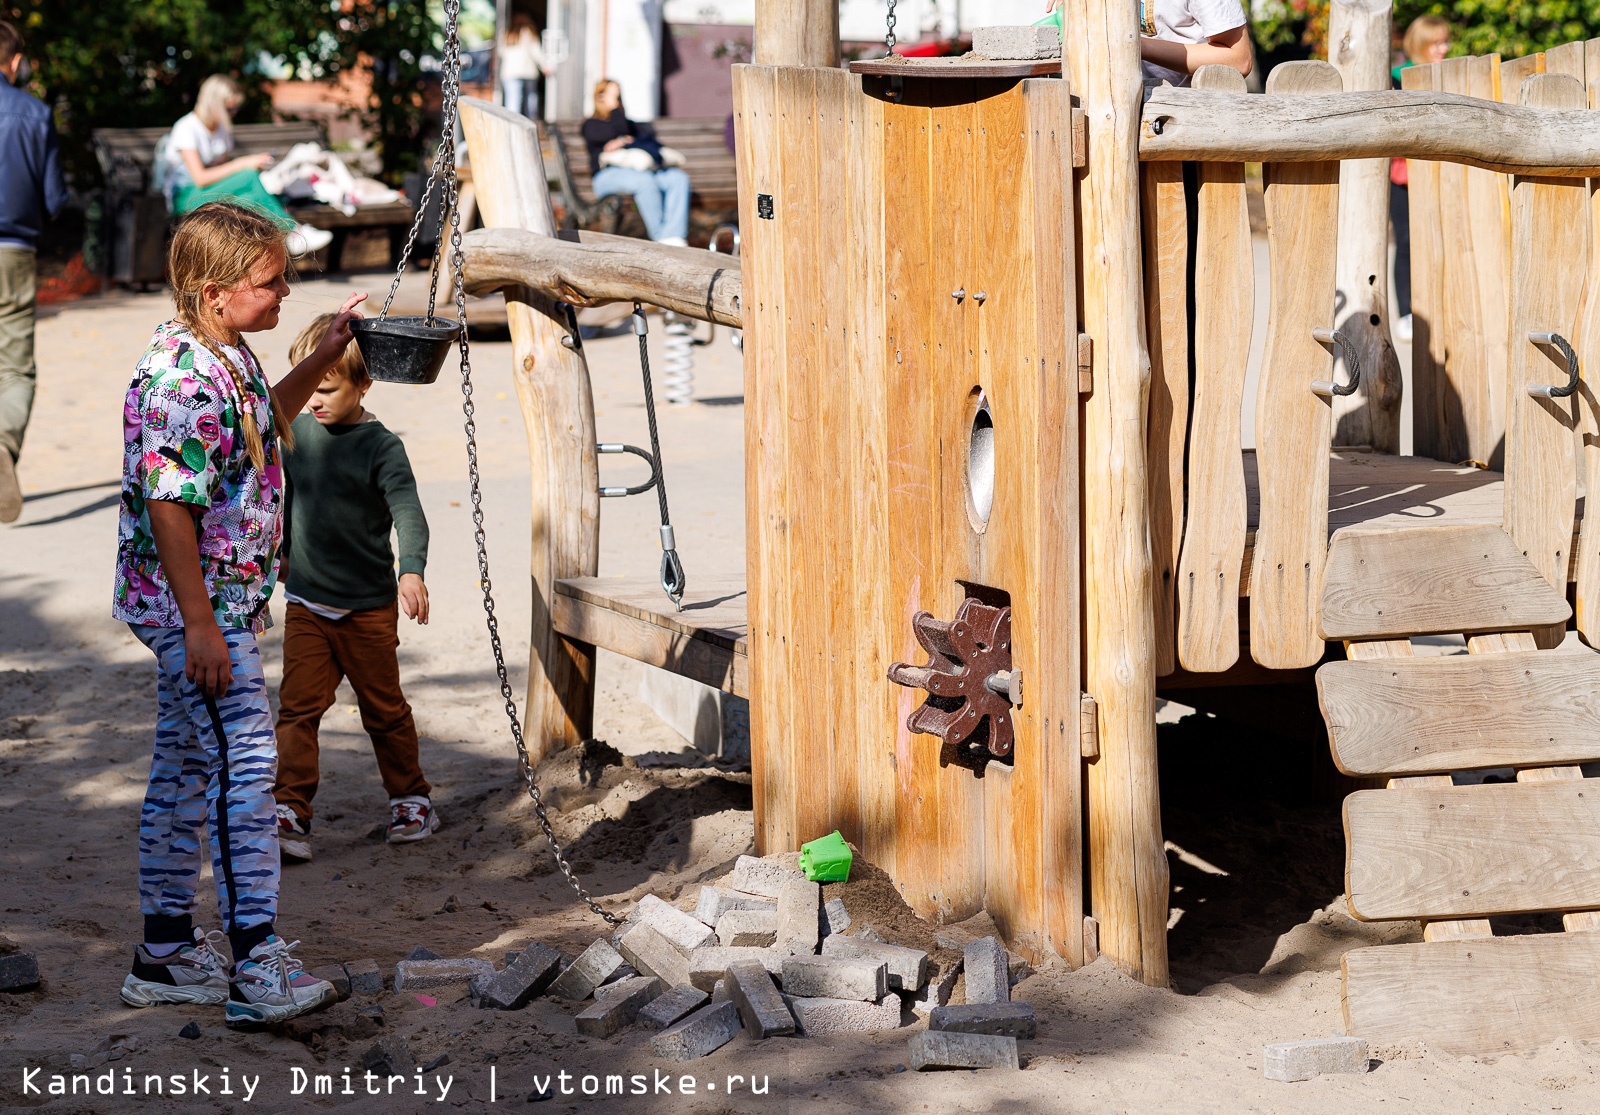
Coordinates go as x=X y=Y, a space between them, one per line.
x=673 y=242
x=411 y=819
x=196 y=973
x=1402 y=329
x=272 y=986
x=294 y=835
x=303 y=240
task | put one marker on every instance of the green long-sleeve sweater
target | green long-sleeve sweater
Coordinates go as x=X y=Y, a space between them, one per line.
x=347 y=486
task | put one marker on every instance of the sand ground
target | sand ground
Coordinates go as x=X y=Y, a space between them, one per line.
x=1256 y=861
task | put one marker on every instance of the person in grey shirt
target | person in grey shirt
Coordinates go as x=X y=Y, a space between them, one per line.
x=31 y=191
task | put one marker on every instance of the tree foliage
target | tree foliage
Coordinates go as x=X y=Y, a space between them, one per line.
x=1510 y=28
x=139 y=63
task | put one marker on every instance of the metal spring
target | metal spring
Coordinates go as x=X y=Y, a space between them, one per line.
x=677 y=369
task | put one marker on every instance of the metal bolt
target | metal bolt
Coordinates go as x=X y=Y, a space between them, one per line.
x=980 y=297
x=958 y=295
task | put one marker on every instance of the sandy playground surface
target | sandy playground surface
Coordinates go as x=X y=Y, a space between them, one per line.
x=1256 y=861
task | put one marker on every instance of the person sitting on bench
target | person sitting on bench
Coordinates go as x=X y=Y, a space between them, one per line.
x=661 y=192
x=193 y=166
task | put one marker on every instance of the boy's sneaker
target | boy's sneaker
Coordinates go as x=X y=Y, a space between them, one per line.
x=196 y=973
x=411 y=819
x=294 y=835
x=270 y=986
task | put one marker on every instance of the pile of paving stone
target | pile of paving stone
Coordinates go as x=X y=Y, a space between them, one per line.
x=762 y=954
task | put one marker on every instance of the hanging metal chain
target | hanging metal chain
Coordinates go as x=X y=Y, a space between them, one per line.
x=451 y=86
x=888 y=36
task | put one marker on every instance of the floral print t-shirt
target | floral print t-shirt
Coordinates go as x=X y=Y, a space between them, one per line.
x=182 y=442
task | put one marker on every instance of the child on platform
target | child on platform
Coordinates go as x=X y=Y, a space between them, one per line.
x=349 y=485
x=1177 y=37
x=197 y=560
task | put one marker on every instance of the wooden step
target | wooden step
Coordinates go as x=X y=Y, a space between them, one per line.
x=632 y=617
x=1501 y=994
x=1473 y=851
x=1462 y=712
x=1383 y=584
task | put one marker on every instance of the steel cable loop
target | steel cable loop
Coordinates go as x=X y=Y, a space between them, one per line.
x=673 y=580
x=451 y=88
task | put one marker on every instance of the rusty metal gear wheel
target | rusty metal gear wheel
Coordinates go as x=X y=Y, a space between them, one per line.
x=971 y=686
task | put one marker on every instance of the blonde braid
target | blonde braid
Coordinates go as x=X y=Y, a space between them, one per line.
x=255 y=446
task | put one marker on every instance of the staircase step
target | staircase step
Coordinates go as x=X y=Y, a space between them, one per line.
x=1382 y=584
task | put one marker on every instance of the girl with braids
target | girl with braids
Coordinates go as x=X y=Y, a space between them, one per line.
x=197 y=559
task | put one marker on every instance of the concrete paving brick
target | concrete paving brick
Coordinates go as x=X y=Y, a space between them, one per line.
x=366 y=978
x=829 y=977
x=705 y=1031
x=748 y=928
x=654 y=955
x=671 y=1006
x=799 y=916
x=719 y=993
x=1011 y=1019
x=390 y=1057
x=817 y=1017
x=762 y=876
x=1301 y=1060
x=987 y=978
x=334 y=974
x=940 y=1049
x=534 y=969
x=686 y=933
x=835 y=918
x=617 y=1006
x=707 y=966
x=761 y=1008
x=713 y=902
x=18 y=971
x=907 y=968
x=420 y=975
x=1016 y=42
x=593 y=967
x=936 y=992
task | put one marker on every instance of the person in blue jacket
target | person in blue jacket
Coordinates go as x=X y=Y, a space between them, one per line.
x=31 y=191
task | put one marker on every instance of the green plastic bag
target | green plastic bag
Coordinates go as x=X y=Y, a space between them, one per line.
x=826 y=860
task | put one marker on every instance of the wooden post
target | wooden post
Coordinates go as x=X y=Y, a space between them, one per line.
x=1359 y=43
x=558 y=408
x=797 y=33
x=1127 y=860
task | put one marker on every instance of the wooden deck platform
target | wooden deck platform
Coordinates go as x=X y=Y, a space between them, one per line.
x=707 y=640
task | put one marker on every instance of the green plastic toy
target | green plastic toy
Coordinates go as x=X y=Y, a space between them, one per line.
x=826 y=860
x=1052 y=20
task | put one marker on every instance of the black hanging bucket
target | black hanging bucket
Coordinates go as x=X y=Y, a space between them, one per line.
x=404 y=349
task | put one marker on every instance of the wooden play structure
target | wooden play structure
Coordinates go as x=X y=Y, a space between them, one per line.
x=996 y=497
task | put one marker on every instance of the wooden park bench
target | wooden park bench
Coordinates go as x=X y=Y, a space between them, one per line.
x=139 y=218
x=710 y=167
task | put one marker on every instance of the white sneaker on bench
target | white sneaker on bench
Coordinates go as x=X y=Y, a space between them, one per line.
x=303 y=240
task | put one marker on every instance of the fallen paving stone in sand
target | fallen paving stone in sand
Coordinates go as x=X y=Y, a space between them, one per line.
x=421 y=952
x=191 y=1030
x=761 y=1008
x=534 y=969
x=828 y=977
x=988 y=980
x=654 y=955
x=835 y=918
x=763 y=877
x=336 y=975
x=1301 y=1060
x=366 y=978
x=1008 y=43
x=705 y=1031
x=818 y=1017
x=940 y=1049
x=748 y=928
x=686 y=933
x=719 y=991
x=618 y=1006
x=1017 y=968
x=593 y=967
x=799 y=916
x=1011 y=1019
x=936 y=993
x=419 y=975
x=707 y=966
x=713 y=902
x=907 y=968
x=671 y=1006
x=18 y=971
x=390 y=1056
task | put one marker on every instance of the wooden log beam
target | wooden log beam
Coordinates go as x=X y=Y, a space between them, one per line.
x=558 y=409
x=1197 y=124
x=1127 y=857
x=797 y=33
x=593 y=269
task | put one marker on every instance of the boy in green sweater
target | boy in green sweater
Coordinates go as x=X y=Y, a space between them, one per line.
x=348 y=483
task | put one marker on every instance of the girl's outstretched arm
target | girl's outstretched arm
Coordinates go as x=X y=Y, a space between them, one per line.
x=205 y=651
x=294 y=390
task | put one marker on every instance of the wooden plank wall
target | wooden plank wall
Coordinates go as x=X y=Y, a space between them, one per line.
x=1587 y=344
x=862 y=376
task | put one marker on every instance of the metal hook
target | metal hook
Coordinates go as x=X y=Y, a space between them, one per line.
x=1550 y=391
x=1328 y=388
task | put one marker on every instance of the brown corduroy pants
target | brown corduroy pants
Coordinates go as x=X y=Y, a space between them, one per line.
x=317 y=654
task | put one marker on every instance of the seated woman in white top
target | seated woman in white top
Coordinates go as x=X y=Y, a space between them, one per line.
x=194 y=166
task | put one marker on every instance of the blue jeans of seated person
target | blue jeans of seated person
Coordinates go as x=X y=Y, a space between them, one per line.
x=662 y=197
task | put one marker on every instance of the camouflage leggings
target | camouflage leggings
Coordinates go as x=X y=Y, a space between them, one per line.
x=206 y=753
